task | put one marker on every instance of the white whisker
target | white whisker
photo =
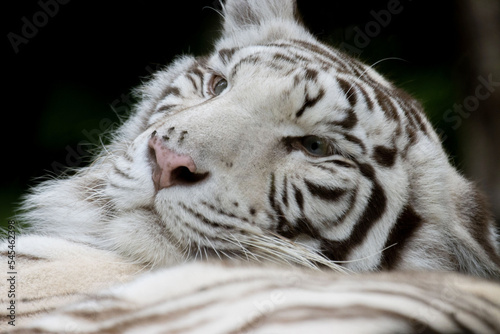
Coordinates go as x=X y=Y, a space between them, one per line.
x=274 y=248
x=213 y=247
x=370 y=67
x=369 y=256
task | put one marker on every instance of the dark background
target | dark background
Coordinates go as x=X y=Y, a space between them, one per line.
x=71 y=79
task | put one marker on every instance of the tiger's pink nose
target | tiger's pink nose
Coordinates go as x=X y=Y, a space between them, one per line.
x=169 y=167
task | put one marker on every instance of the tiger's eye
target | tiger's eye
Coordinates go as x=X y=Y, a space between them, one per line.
x=219 y=86
x=316 y=146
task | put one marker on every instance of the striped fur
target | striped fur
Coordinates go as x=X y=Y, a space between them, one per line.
x=250 y=299
x=379 y=195
x=51 y=272
x=235 y=298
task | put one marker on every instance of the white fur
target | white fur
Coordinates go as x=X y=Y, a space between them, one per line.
x=239 y=139
x=243 y=128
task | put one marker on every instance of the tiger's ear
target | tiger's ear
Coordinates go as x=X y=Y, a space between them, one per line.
x=242 y=14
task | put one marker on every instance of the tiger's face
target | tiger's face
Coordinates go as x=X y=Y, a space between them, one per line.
x=274 y=141
x=280 y=136
x=260 y=150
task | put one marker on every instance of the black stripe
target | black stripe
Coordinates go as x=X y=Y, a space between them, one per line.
x=299 y=198
x=196 y=71
x=474 y=208
x=348 y=122
x=349 y=91
x=170 y=90
x=368 y=100
x=284 y=226
x=411 y=126
x=350 y=206
x=193 y=81
x=385 y=156
x=122 y=173
x=319 y=49
x=205 y=220
x=313 y=56
x=282 y=57
x=226 y=54
x=310 y=102
x=386 y=105
x=307 y=57
x=325 y=193
x=272 y=192
x=411 y=109
x=296 y=80
x=406 y=225
x=419 y=118
x=252 y=59
x=311 y=75
x=166 y=108
x=355 y=140
x=412 y=138
x=222 y=212
x=304 y=226
x=285 y=191
x=118 y=186
x=374 y=209
x=340 y=163
x=328 y=169
x=358 y=68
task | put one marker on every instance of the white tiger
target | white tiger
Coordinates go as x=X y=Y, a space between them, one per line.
x=274 y=148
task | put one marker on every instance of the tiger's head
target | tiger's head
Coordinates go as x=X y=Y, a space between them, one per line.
x=273 y=139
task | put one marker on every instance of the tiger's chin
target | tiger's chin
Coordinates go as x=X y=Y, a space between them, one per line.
x=173 y=235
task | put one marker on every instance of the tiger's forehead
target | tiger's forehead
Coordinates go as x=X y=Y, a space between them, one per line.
x=292 y=64
x=293 y=73
x=294 y=53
